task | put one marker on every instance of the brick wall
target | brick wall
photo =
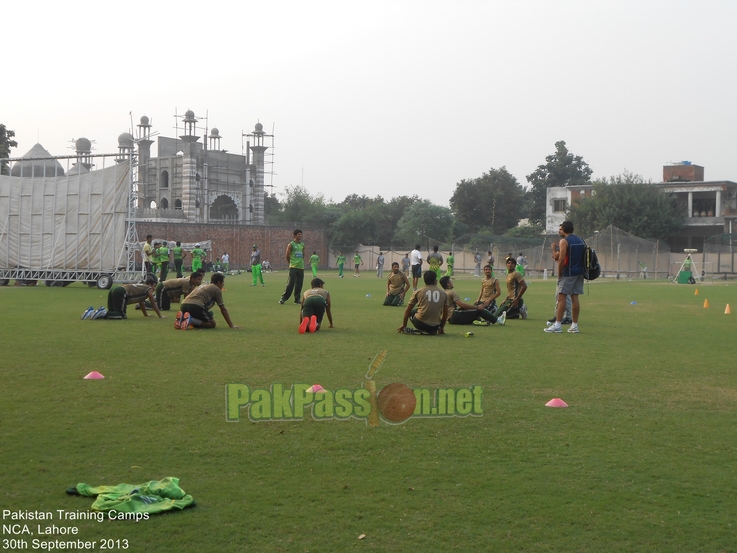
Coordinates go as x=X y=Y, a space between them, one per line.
x=238 y=240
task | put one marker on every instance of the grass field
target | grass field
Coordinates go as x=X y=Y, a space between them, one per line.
x=644 y=459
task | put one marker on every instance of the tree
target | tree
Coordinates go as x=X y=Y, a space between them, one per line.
x=424 y=222
x=5 y=144
x=495 y=200
x=631 y=204
x=301 y=206
x=561 y=169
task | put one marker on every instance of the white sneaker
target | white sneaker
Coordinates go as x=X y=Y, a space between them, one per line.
x=573 y=329
x=502 y=319
x=523 y=311
x=555 y=328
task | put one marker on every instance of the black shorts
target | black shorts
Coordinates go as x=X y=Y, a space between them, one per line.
x=196 y=311
x=417 y=271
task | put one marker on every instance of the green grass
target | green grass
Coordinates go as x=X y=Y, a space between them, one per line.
x=643 y=460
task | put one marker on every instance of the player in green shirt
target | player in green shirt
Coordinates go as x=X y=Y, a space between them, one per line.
x=314 y=261
x=198 y=254
x=178 y=254
x=341 y=262
x=449 y=263
x=163 y=252
x=295 y=256
x=356 y=263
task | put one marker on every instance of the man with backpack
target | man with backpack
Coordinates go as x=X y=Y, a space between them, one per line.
x=570 y=276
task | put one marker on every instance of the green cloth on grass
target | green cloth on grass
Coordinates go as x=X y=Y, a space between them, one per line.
x=152 y=497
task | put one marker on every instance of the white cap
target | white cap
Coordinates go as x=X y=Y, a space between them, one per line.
x=197 y=245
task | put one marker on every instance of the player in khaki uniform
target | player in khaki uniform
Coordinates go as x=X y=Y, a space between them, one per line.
x=461 y=313
x=516 y=287
x=490 y=290
x=428 y=308
x=122 y=295
x=195 y=309
x=396 y=286
x=174 y=288
x=315 y=304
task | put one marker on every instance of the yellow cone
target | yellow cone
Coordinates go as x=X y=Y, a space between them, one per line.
x=706 y=304
x=696 y=292
x=727 y=311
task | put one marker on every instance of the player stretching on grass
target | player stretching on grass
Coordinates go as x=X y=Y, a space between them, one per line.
x=315 y=304
x=195 y=309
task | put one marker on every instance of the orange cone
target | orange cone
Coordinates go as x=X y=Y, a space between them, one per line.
x=696 y=292
x=727 y=311
x=706 y=304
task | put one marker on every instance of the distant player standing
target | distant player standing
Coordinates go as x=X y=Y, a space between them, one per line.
x=415 y=259
x=295 y=256
x=340 y=260
x=256 y=266
x=198 y=254
x=314 y=262
x=357 y=262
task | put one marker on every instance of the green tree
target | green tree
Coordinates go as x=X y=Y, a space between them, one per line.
x=495 y=200
x=424 y=222
x=6 y=143
x=629 y=203
x=301 y=206
x=561 y=169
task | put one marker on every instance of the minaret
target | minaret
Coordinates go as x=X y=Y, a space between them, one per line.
x=257 y=195
x=189 y=166
x=84 y=152
x=125 y=147
x=144 y=142
x=214 y=139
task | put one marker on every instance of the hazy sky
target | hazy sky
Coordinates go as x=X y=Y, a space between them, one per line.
x=387 y=97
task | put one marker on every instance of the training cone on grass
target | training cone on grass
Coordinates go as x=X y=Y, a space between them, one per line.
x=315 y=389
x=727 y=310
x=94 y=375
x=696 y=292
x=556 y=402
x=706 y=304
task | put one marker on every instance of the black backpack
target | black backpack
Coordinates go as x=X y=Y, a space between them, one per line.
x=591 y=267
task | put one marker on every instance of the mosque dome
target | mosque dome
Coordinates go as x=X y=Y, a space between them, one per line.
x=189 y=116
x=215 y=133
x=144 y=120
x=83 y=145
x=37 y=167
x=78 y=169
x=125 y=140
x=259 y=127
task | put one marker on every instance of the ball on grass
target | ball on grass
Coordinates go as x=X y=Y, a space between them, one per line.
x=396 y=402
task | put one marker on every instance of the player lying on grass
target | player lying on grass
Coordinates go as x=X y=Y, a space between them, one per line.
x=315 y=304
x=195 y=309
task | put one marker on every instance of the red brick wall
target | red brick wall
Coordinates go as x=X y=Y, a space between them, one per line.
x=239 y=240
x=683 y=173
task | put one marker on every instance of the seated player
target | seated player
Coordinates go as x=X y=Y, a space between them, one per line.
x=315 y=304
x=396 y=286
x=427 y=308
x=490 y=290
x=195 y=309
x=123 y=295
x=516 y=287
x=462 y=313
x=174 y=288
